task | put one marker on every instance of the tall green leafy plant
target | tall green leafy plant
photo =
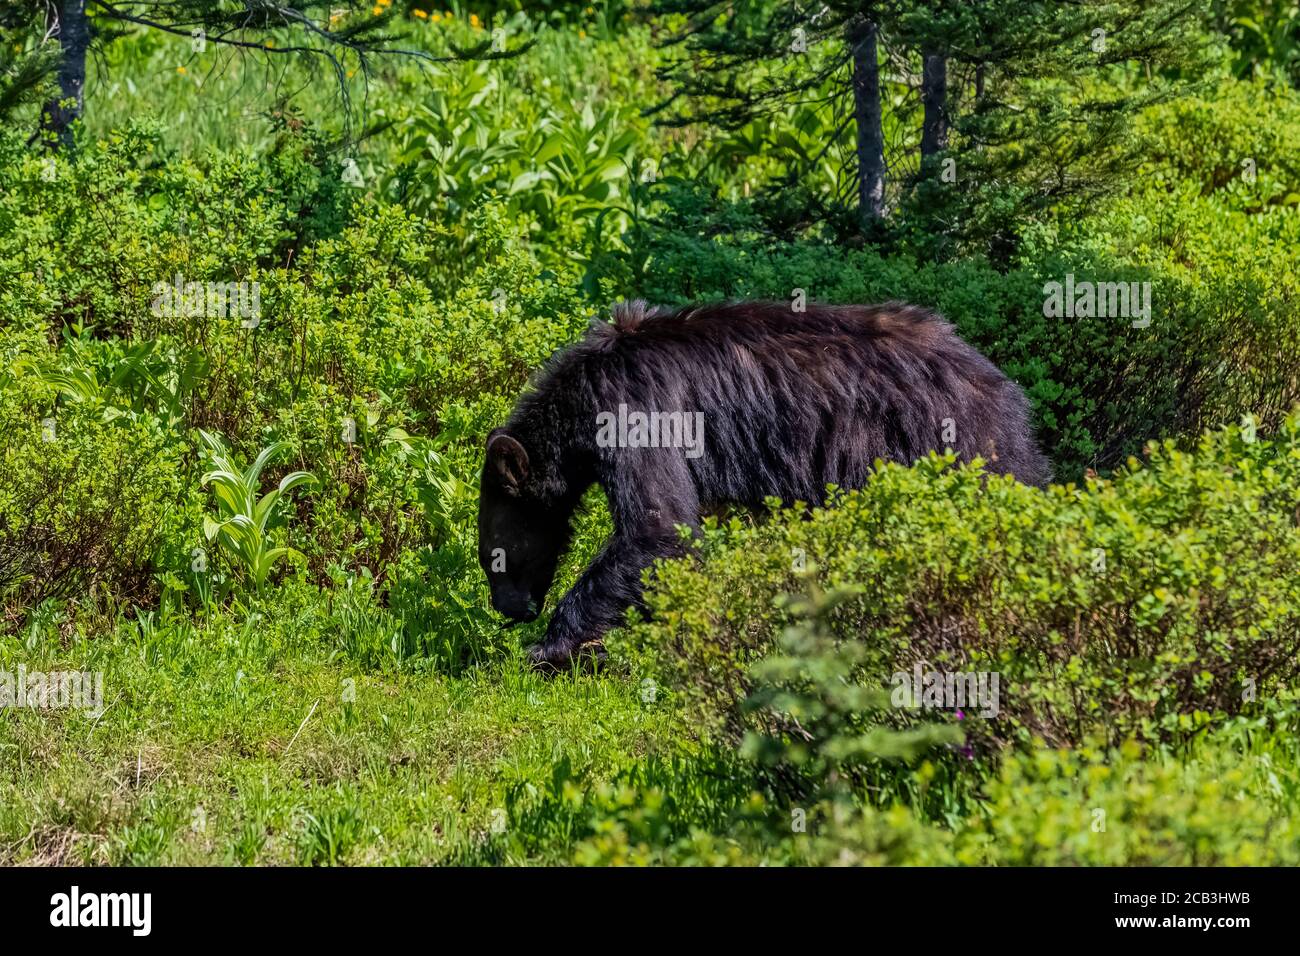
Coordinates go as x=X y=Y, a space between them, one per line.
x=241 y=525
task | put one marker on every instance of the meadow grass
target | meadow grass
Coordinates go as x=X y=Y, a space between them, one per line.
x=230 y=745
x=258 y=741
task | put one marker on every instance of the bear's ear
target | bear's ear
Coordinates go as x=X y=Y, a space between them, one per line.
x=507 y=460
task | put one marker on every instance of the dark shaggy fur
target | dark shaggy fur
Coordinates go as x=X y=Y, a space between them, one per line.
x=791 y=402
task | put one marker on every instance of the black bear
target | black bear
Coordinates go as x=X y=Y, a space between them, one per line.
x=678 y=413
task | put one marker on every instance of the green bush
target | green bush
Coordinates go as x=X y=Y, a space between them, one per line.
x=1146 y=606
x=1123 y=807
x=1089 y=807
x=1241 y=143
x=1214 y=805
x=368 y=365
x=87 y=505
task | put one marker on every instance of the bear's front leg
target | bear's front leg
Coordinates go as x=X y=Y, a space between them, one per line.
x=598 y=600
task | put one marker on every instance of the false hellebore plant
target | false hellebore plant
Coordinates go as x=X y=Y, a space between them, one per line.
x=240 y=528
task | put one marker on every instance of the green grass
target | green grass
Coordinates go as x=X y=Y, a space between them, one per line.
x=252 y=738
x=233 y=744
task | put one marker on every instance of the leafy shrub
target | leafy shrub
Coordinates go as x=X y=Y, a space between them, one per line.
x=1264 y=36
x=1145 y=606
x=1098 y=807
x=1122 y=806
x=556 y=174
x=1241 y=144
x=383 y=373
x=83 y=502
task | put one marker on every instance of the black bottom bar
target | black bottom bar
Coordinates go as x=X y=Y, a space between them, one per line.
x=336 y=906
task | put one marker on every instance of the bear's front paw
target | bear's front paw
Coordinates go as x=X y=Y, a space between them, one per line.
x=553 y=658
x=592 y=652
x=548 y=658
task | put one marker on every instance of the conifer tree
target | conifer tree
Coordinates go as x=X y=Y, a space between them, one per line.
x=975 y=77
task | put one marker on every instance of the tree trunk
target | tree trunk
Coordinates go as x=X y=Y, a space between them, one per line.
x=934 y=95
x=74 y=40
x=866 y=113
